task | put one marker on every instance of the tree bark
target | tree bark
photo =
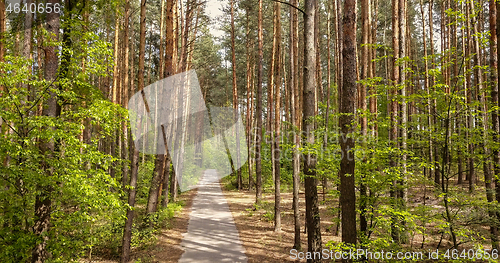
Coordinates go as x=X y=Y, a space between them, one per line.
x=311 y=182
x=166 y=178
x=127 y=233
x=43 y=201
x=404 y=113
x=494 y=119
x=294 y=84
x=348 y=91
x=249 y=76
x=277 y=123
x=125 y=93
x=365 y=62
x=235 y=94
x=393 y=108
x=161 y=66
x=495 y=115
x=258 y=141
x=156 y=181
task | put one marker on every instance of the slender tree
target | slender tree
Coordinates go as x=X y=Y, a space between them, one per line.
x=490 y=174
x=258 y=115
x=43 y=200
x=294 y=84
x=125 y=87
x=127 y=233
x=311 y=182
x=348 y=91
x=277 y=121
x=235 y=92
x=249 y=77
x=365 y=62
x=495 y=115
x=393 y=107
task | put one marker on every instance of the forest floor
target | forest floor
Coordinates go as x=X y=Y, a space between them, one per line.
x=256 y=228
x=168 y=246
x=255 y=225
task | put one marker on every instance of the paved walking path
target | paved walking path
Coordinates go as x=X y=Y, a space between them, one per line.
x=212 y=235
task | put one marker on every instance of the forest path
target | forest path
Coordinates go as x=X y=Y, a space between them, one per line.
x=212 y=235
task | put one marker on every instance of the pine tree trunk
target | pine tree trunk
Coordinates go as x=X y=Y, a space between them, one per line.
x=156 y=181
x=490 y=192
x=277 y=119
x=365 y=62
x=393 y=110
x=125 y=93
x=127 y=233
x=294 y=87
x=328 y=89
x=433 y=147
x=347 y=101
x=402 y=192
x=249 y=119
x=258 y=141
x=495 y=117
x=161 y=66
x=43 y=201
x=235 y=95
x=311 y=182
x=373 y=72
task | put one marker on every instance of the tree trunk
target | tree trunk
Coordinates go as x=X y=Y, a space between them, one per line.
x=277 y=119
x=478 y=79
x=393 y=109
x=125 y=93
x=311 y=182
x=249 y=48
x=373 y=72
x=404 y=113
x=365 y=62
x=328 y=88
x=495 y=115
x=427 y=84
x=258 y=141
x=494 y=119
x=116 y=77
x=294 y=87
x=161 y=66
x=156 y=181
x=348 y=91
x=43 y=201
x=433 y=160
x=127 y=233
x=166 y=178
x=235 y=94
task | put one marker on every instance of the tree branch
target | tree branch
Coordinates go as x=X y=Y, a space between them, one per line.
x=286 y=3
